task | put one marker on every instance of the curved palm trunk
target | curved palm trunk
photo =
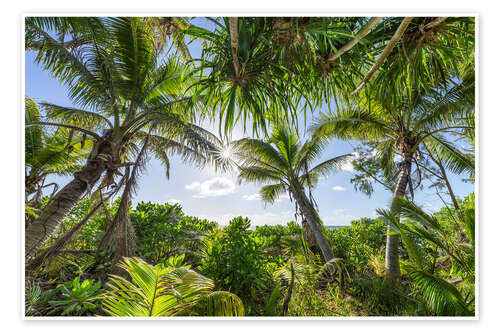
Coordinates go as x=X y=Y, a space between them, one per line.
x=313 y=220
x=41 y=229
x=392 y=244
x=61 y=242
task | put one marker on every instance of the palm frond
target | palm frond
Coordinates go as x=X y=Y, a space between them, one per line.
x=350 y=124
x=332 y=165
x=258 y=174
x=217 y=303
x=442 y=297
x=454 y=159
x=271 y=193
x=165 y=291
x=267 y=154
x=76 y=117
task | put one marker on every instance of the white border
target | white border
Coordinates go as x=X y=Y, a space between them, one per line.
x=250 y=13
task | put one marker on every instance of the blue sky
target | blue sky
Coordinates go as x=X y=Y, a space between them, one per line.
x=218 y=197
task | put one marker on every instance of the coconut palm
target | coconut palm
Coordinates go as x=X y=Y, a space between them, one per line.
x=123 y=93
x=428 y=52
x=47 y=154
x=400 y=128
x=285 y=162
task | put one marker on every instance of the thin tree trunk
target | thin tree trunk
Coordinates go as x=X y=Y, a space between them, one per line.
x=366 y=29
x=388 y=49
x=313 y=221
x=38 y=232
x=288 y=296
x=233 y=31
x=119 y=236
x=392 y=244
x=61 y=242
x=446 y=181
x=444 y=177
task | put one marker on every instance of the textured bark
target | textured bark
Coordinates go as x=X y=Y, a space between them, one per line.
x=388 y=49
x=366 y=29
x=233 y=31
x=313 y=220
x=41 y=229
x=51 y=217
x=307 y=233
x=61 y=242
x=392 y=244
x=119 y=235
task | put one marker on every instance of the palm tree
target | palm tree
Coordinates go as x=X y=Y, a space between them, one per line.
x=259 y=69
x=442 y=295
x=255 y=68
x=124 y=93
x=46 y=154
x=401 y=128
x=285 y=163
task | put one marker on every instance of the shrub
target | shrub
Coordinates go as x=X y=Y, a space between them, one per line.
x=236 y=262
x=163 y=231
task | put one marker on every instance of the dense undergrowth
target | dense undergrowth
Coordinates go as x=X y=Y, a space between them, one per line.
x=190 y=266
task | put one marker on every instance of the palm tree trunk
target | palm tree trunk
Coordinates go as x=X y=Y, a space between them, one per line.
x=233 y=31
x=313 y=220
x=366 y=29
x=444 y=176
x=61 y=242
x=119 y=236
x=392 y=245
x=387 y=50
x=38 y=232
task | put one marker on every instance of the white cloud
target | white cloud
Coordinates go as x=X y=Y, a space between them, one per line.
x=173 y=201
x=193 y=186
x=347 y=166
x=429 y=207
x=283 y=196
x=337 y=217
x=259 y=219
x=215 y=187
x=256 y=196
x=338 y=188
x=252 y=197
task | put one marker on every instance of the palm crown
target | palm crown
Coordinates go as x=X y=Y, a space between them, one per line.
x=285 y=163
x=125 y=96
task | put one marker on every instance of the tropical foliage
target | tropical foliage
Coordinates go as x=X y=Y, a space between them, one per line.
x=400 y=90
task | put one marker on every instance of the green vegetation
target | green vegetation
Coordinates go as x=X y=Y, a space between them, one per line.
x=402 y=88
x=234 y=270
